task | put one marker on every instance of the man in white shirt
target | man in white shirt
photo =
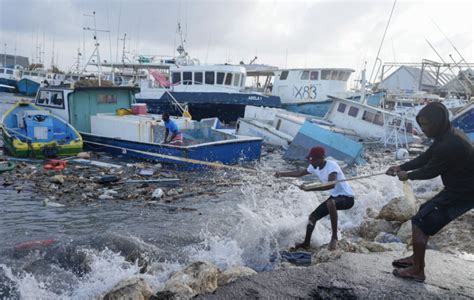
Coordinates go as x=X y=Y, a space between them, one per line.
x=341 y=196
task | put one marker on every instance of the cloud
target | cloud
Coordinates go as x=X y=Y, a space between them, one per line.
x=282 y=33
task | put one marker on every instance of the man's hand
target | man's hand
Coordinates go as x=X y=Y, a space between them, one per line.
x=393 y=170
x=402 y=175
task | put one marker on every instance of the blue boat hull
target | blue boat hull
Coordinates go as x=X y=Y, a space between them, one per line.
x=228 y=107
x=465 y=122
x=231 y=152
x=9 y=83
x=317 y=109
x=28 y=87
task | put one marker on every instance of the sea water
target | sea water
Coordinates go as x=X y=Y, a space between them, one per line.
x=245 y=226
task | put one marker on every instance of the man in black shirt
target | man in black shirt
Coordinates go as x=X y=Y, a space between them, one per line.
x=452 y=156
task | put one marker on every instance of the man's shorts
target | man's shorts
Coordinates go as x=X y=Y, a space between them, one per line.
x=341 y=202
x=436 y=213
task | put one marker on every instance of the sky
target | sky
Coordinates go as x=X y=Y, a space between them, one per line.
x=286 y=34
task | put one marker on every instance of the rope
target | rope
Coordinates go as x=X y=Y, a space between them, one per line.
x=311 y=186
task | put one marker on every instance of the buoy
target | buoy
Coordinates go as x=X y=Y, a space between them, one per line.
x=55 y=164
x=401 y=153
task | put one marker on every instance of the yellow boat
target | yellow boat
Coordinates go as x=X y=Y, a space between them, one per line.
x=30 y=131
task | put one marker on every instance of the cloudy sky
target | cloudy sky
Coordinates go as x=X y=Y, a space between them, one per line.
x=297 y=33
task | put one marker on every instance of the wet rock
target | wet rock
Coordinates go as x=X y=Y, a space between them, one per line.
x=84 y=155
x=233 y=274
x=324 y=255
x=405 y=232
x=370 y=228
x=197 y=278
x=398 y=209
x=374 y=246
x=134 y=288
x=364 y=276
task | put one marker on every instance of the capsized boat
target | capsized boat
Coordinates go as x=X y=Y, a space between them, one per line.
x=30 y=131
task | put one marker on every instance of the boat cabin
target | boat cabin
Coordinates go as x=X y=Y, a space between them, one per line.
x=370 y=122
x=205 y=77
x=309 y=85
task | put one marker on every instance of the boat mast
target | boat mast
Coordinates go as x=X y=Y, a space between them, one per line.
x=96 y=52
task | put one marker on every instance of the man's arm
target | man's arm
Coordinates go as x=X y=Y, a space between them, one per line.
x=437 y=165
x=332 y=177
x=417 y=162
x=166 y=136
x=297 y=173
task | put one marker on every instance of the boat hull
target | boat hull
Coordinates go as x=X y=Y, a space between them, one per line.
x=17 y=148
x=228 y=107
x=29 y=131
x=227 y=152
x=28 y=87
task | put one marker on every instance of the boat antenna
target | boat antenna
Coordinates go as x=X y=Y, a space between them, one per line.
x=95 y=53
x=452 y=45
x=381 y=43
x=118 y=31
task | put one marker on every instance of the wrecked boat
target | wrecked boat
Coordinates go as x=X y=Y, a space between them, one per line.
x=30 y=131
x=98 y=114
x=464 y=120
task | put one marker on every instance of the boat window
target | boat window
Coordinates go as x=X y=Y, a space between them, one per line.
x=334 y=75
x=68 y=77
x=57 y=99
x=228 y=79
x=220 y=78
x=198 y=78
x=368 y=116
x=107 y=99
x=236 y=79
x=42 y=75
x=341 y=75
x=341 y=107
x=325 y=74
x=284 y=75
x=409 y=127
x=314 y=75
x=353 y=111
x=242 y=80
x=1 y=71
x=346 y=76
x=43 y=98
x=187 y=78
x=34 y=74
x=210 y=77
x=9 y=71
x=305 y=75
x=176 y=77
x=378 y=120
x=26 y=73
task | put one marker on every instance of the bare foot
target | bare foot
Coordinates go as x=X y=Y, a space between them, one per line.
x=302 y=246
x=403 y=262
x=332 y=245
x=410 y=273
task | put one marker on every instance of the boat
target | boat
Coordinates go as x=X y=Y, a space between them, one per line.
x=31 y=81
x=30 y=131
x=464 y=120
x=372 y=123
x=207 y=90
x=9 y=76
x=6 y=166
x=98 y=114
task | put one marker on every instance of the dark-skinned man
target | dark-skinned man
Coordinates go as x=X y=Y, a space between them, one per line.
x=451 y=155
x=341 y=196
x=172 y=130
